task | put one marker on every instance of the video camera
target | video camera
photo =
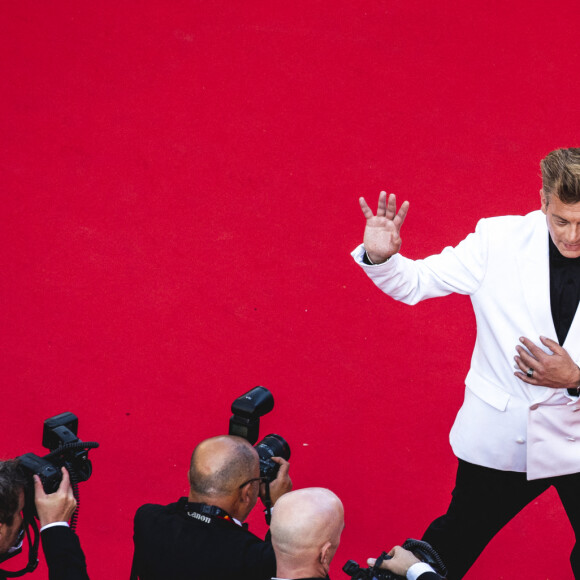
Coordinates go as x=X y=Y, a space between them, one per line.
x=424 y=551
x=245 y=422
x=65 y=450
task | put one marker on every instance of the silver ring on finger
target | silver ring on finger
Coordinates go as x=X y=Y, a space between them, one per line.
x=530 y=373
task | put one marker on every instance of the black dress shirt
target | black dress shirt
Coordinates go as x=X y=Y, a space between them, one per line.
x=564 y=292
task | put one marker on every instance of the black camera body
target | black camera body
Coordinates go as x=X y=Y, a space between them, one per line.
x=424 y=551
x=245 y=422
x=66 y=450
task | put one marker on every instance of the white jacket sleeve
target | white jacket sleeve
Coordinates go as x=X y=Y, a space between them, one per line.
x=460 y=269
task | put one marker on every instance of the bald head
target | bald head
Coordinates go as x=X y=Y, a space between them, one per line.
x=306 y=527
x=220 y=464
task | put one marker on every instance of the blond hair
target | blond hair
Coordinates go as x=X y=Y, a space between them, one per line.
x=561 y=175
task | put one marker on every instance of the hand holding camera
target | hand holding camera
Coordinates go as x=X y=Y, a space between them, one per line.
x=395 y=564
x=54 y=507
x=399 y=561
x=280 y=485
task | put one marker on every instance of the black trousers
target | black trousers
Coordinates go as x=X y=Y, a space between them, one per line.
x=486 y=499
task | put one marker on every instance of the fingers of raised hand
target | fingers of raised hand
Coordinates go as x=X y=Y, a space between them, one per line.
x=382 y=208
x=401 y=215
x=391 y=204
x=367 y=212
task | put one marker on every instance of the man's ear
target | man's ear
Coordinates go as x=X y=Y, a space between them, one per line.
x=246 y=494
x=325 y=556
x=544 y=201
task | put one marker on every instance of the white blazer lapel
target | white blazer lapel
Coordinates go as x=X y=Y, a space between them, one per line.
x=572 y=342
x=534 y=271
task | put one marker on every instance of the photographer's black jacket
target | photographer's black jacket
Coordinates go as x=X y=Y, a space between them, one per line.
x=424 y=576
x=63 y=553
x=172 y=544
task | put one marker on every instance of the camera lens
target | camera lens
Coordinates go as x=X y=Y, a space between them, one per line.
x=273 y=446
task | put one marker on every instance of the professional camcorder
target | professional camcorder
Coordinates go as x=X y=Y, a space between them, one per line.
x=65 y=450
x=422 y=550
x=245 y=422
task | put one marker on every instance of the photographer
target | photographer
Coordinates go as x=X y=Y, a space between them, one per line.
x=306 y=529
x=61 y=546
x=201 y=536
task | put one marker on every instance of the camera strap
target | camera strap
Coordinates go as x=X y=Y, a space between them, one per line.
x=204 y=512
x=33 y=543
x=267 y=501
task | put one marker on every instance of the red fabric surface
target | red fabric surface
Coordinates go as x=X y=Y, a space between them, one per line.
x=179 y=199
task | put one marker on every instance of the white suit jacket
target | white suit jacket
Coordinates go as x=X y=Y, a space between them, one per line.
x=503 y=266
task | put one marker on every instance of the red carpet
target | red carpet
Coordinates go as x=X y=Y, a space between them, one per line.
x=179 y=184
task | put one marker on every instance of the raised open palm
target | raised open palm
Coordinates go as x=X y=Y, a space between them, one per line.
x=382 y=236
